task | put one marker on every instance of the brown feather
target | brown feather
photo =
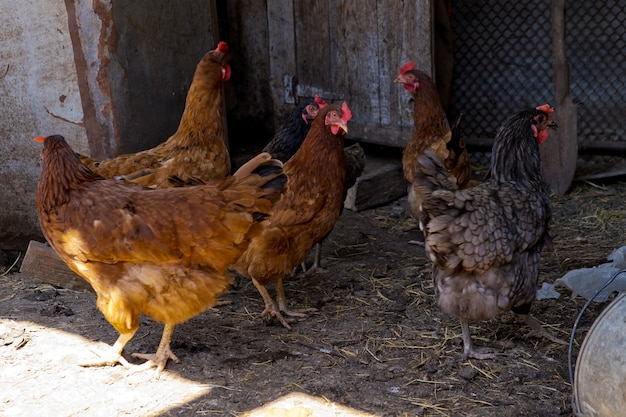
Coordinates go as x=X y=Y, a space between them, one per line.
x=308 y=210
x=159 y=252
x=196 y=151
x=431 y=131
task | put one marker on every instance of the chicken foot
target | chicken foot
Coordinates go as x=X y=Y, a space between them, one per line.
x=163 y=353
x=468 y=347
x=276 y=311
x=271 y=309
x=317 y=262
x=538 y=330
x=114 y=355
x=282 y=303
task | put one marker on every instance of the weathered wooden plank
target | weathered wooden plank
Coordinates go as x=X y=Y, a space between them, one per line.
x=281 y=49
x=405 y=34
x=313 y=46
x=560 y=152
x=42 y=263
x=382 y=182
x=380 y=135
x=392 y=96
x=350 y=50
x=355 y=67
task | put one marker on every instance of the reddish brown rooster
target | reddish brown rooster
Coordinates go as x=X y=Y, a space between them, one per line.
x=159 y=252
x=485 y=241
x=306 y=214
x=197 y=150
x=431 y=131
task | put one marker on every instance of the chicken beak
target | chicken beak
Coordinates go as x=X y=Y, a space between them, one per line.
x=398 y=80
x=553 y=125
x=335 y=127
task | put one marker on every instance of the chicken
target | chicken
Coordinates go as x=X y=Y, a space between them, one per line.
x=291 y=133
x=431 y=130
x=159 y=252
x=485 y=242
x=307 y=213
x=197 y=150
x=287 y=140
x=355 y=164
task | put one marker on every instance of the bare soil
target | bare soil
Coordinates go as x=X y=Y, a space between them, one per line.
x=378 y=343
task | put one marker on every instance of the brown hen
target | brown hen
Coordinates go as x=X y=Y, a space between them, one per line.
x=159 y=252
x=431 y=131
x=307 y=213
x=287 y=140
x=485 y=242
x=197 y=150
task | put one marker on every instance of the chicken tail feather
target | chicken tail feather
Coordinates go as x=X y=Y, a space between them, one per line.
x=432 y=174
x=247 y=168
x=267 y=172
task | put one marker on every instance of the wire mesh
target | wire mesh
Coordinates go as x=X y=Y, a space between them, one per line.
x=596 y=49
x=503 y=62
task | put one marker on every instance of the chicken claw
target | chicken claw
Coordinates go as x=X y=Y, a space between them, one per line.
x=163 y=353
x=109 y=359
x=316 y=268
x=468 y=347
x=271 y=311
x=114 y=355
x=282 y=303
x=158 y=360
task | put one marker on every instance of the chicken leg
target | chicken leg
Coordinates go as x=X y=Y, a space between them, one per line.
x=114 y=355
x=317 y=262
x=282 y=302
x=163 y=353
x=274 y=310
x=468 y=347
x=271 y=309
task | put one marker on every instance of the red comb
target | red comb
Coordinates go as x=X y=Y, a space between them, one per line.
x=347 y=114
x=407 y=67
x=320 y=102
x=40 y=139
x=545 y=108
x=222 y=47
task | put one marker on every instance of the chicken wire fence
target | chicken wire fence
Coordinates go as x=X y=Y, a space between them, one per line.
x=503 y=62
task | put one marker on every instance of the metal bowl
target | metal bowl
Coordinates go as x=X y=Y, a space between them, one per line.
x=600 y=375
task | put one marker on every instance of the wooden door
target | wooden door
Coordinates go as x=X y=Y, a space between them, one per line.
x=350 y=50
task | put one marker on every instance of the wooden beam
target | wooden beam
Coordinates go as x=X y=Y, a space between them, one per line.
x=282 y=57
x=560 y=152
x=382 y=182
x=378 y=135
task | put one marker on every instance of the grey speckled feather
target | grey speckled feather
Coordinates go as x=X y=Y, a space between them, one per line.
x=485 y=241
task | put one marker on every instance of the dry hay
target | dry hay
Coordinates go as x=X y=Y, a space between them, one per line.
x=377 y=343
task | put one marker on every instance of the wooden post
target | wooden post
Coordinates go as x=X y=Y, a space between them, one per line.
x=560 y=151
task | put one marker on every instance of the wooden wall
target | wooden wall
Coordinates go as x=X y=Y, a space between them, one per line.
x=109 y=75
x=112 y=75
x=288 y=50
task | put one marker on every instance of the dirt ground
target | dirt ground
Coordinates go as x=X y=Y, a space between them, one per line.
x=377 y=343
